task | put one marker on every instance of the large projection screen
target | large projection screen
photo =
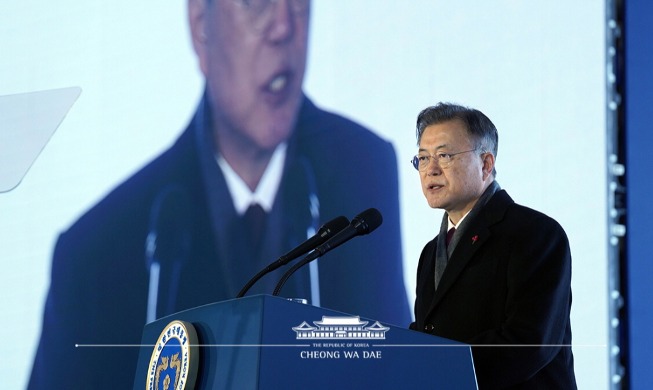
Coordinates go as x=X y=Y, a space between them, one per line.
x=536 y=68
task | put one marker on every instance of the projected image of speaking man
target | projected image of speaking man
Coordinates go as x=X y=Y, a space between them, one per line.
x=258 y=170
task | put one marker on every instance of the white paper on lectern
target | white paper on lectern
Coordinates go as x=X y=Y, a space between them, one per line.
x=27 y=122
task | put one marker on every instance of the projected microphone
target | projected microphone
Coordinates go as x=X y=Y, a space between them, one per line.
x=325 y=232
x=166 y=247
x=364 y=223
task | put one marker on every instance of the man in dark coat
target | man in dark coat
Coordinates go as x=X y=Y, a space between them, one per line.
x=497 y=276
x=180 y=227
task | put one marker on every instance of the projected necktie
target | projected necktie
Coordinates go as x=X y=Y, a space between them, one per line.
x=254 y=220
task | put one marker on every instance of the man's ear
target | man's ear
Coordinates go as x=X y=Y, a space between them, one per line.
x=488 y=165
x=197 y=10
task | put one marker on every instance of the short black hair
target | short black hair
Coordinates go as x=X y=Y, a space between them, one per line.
x=481 y=129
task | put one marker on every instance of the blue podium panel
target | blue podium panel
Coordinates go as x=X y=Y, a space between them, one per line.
x=264 y=342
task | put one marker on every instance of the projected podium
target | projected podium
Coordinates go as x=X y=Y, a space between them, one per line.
x=265 y=342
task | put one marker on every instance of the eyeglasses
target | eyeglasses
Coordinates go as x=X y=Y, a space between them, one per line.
x=422 y=161
x=261 y=12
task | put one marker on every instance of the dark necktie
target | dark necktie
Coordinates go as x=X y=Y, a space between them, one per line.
x=244 y=237
x=254 y=220
x=450 y=235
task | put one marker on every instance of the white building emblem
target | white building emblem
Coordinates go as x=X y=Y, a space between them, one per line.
x=340 y=328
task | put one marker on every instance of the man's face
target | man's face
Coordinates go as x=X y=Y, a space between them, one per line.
x=456 y=187
x=254 y=65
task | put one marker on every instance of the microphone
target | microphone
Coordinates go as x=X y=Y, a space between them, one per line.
x=167 y=246
x=364 y=223
x=324 y=233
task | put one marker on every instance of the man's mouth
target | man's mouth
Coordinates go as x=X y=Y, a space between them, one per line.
x=278 y=88
x=278 y=83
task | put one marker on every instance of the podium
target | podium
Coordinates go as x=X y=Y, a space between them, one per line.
x=265 y=342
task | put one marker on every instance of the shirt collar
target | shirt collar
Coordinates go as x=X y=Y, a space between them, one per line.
x=453 y=225
x=265 y=191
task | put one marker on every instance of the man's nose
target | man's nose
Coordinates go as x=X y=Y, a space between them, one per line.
x=282 y=23
x=433 y=167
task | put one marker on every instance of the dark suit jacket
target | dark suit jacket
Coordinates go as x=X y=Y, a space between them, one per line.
x=507 y=282
x=99 y=282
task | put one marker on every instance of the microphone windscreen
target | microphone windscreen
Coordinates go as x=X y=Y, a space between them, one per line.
x=367 y=221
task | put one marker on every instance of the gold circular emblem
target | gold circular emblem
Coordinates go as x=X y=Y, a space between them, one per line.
x=173 y=365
